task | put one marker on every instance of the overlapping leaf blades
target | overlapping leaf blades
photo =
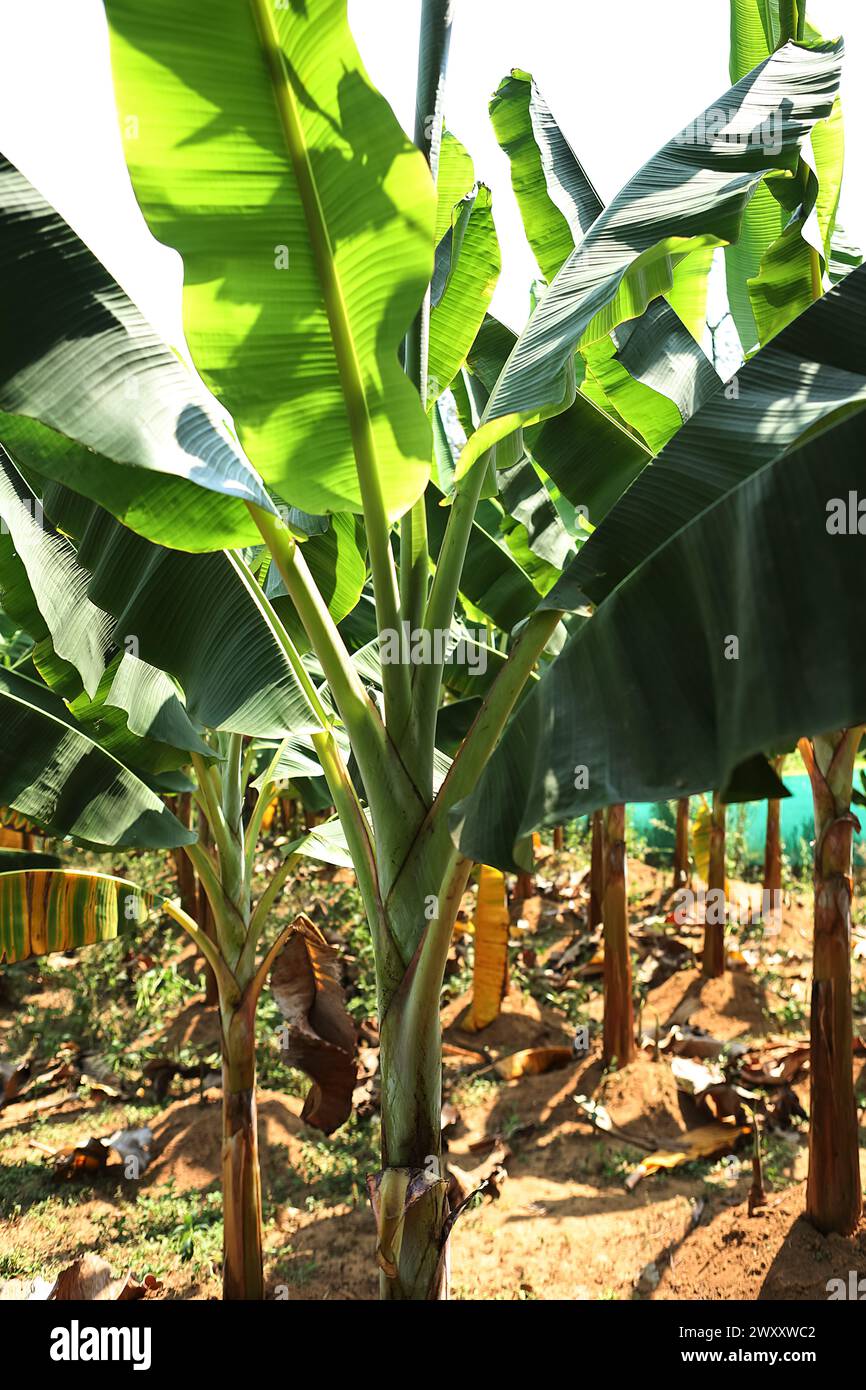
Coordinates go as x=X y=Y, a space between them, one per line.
x=689 y=669
x=692 y=194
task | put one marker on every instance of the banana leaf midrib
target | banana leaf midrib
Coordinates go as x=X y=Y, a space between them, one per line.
x=348 y=365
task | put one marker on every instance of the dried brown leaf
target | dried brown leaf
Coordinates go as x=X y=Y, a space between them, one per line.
x=321 y=1037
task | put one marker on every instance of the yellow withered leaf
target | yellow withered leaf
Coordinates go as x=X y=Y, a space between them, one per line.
x=45 y=910
x=707 y=1141
x=490 y=975
x=700 y=840
x=532 y=1061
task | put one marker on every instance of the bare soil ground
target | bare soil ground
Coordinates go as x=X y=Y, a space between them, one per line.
x=564 y=1224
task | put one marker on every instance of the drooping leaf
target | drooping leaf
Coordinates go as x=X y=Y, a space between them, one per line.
x=137 y=714
x=686 y=677
x=559 y=205
x=220 y=642
x=132 y=709
x=305 y=221
x=811 y=374
x=690 y=195
x=44 y=910
x=776 y=268
x=53 y=772
x=43 y=586
x=754 y=34
x=305 y=982
x=791 y=273
x=458 y=310
x=90 y=395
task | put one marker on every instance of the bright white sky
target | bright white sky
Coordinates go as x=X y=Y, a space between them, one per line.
x=621 y=77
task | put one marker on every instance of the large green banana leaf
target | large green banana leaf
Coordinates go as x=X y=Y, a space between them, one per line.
x=455 y=178
x=776 y=267
x=793 y=269
x=44 y=910
x=557 y=201
x=690 y=195
x=812 y=374
x=587 y=451
x=305 y=221
x=55 y=773
x=754 y=35
x=132 y=709
x=136 y=713
x=336 y=558
x=462 y=289
x=730 y=630
x=90 y=395
x=201 y=618
x=559 y=205
x=42 y=585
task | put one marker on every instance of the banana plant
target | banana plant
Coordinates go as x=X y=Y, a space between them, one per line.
x=682 y=873
x=772 y=880
x=714 y=541
x=94 y=735
x=308 y=224
x=713 y=955
x=618 y=1047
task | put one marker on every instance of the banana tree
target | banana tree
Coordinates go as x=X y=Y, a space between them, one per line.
x=117 y=692
x=308 y=224
x=834 y=1199
x=618 y=1041
x=596 y=871
x=713 y=955
x=772 y=879
x=719 y=536
x=682 y=873
x=95 y=719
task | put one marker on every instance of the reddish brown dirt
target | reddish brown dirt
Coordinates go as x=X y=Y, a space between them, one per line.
x=775 y=1254
x=564 y=1225
x=731 y=1006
